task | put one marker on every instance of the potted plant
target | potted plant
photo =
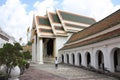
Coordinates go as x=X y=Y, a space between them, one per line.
x=10 y=56
x=27 y=57
x=22 y=66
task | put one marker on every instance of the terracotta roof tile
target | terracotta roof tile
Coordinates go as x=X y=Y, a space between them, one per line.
x=97 y=27
x=99 y=38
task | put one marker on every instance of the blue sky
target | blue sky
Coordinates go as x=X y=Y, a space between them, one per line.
x=16 y=15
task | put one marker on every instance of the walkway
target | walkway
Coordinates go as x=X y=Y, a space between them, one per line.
x=64 y=72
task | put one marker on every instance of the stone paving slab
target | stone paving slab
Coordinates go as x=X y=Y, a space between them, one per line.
x=64 y=72
x=35 y=74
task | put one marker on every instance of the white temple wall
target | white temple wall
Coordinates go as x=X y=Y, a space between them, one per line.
x=59 y=42
x=110 y=48
x=65 y=58
x=105 y=46
x=76 y=59
x=83 y=59
x=94 y=58
x=70 y=58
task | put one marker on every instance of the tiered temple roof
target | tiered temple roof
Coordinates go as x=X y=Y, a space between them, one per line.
x=84 y=37
x=59 y=23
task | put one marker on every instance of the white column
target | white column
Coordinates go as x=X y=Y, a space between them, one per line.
x=70 y=58
x=95 y=59
x=65 y=58
x=55 y=48
x=106 y=57
x=34 y=50
x=77 y=59
x=84 y=59
x=40 y=51
x=110 y=59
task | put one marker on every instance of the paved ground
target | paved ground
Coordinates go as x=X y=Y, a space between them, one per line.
x=64 y=72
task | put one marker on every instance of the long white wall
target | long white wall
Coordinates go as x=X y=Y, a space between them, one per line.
x=106 y=47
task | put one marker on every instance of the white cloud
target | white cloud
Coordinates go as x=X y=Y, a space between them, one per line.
x=14 y=19
x=41 y=7
x=93 y=8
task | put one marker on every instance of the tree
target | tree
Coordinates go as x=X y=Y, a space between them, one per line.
x=27 y=55
x=11 y=56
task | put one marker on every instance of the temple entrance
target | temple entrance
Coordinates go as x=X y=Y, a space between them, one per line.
x=48 y=49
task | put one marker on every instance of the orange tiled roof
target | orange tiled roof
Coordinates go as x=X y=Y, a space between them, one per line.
x=104 y=24
x=97 y=27
x=99 y=38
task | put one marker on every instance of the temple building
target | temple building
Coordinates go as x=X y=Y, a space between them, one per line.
x=50 y=32
x=97 y=46
x=5 y=38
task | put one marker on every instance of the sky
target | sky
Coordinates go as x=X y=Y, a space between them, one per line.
x=16 y=15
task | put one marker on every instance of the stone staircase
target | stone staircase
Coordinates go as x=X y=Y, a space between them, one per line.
x=49 y=60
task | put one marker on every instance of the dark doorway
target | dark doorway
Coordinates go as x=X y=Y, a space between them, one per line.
x=79 y=58
x=73 y=58
x=88 y=59
x=116 y=59
x=62 y=58
x=100 y=60
x=67 y=58
x=48 y=47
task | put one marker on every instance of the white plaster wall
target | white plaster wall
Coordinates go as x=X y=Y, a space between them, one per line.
x=83 y=59
x=60 y=56
x=65 y=58
x=60 y=41
x=76 y=59
x=110 y=58
x=70 y=58
x=94 y=58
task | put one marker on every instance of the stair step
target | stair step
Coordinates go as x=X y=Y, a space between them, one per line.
x=49 y=60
